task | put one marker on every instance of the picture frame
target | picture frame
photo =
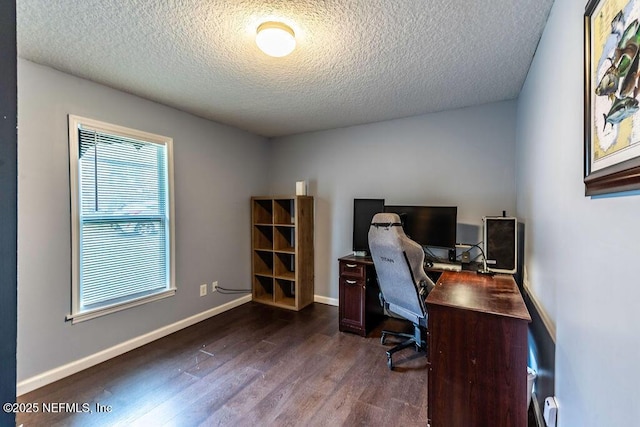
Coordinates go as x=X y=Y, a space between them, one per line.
x=611 y=96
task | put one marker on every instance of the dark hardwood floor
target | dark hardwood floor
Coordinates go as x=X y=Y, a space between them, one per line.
x=253 y=365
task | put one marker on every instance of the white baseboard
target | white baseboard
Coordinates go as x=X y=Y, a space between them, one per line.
x=546 y=319
x=324 y=300
x=60 y=372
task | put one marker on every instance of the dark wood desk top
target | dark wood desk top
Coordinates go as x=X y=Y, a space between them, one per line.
x=361 y=259
x=468 y=290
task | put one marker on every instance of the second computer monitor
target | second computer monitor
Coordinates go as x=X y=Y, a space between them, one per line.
x=433 y=226
x=363 y=212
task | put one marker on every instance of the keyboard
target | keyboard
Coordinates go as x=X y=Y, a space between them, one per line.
x=445 y=266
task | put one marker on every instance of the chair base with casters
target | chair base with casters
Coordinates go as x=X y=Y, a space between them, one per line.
x=412 y=340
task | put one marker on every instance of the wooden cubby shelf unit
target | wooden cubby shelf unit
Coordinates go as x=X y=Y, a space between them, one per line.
x=282 y=251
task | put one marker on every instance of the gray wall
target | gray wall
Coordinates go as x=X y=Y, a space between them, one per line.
x=581 y=252
x=463 y=157
x=217 y=169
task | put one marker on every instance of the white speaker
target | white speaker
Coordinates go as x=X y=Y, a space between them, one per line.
x=501 y=243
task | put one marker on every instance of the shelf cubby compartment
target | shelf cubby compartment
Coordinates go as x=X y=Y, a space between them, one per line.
x=284 y=238
x=285 y=292
x=284 y=266
x=263 y=263
x=263 y=237
x=263 y=289
x=284 y=211
x=262 y=211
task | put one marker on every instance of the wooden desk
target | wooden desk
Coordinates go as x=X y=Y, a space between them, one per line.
x=477 y=343
x=359 y=305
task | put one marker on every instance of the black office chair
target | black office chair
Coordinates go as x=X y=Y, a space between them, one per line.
x=403 y=283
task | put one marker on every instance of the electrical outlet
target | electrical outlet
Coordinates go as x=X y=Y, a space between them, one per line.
x=214 y=286
x=550 y=413
x=203 y=290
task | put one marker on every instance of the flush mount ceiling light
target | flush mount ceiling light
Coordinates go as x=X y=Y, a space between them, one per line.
x=275 y=39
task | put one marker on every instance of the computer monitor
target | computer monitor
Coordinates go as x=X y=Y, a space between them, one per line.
x=363 y=212
x=433 y=226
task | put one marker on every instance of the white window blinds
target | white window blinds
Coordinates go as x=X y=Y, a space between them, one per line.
x=121 y=204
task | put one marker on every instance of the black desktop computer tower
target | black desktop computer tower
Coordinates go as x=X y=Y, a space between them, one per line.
x=501 y=243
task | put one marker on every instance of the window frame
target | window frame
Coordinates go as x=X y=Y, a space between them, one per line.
x=75 y=122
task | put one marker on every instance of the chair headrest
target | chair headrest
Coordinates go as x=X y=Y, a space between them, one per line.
x=386 y=220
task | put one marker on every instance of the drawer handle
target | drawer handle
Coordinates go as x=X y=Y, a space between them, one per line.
x=351 y=282
x=352 y=265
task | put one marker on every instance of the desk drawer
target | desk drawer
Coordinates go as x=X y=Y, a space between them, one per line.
x=352 y=269
x=352 y=305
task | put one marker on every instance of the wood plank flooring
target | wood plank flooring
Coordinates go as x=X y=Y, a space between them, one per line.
x=253 y=365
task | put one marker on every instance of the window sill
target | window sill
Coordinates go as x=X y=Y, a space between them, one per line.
x=92 y=314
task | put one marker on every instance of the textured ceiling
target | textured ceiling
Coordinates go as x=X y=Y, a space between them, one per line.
x=357 y=61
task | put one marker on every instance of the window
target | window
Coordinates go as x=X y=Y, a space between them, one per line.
x=121 y=217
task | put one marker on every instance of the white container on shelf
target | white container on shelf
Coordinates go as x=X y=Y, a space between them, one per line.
x=301 y=188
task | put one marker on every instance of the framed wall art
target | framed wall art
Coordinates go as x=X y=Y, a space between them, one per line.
x=612 y=93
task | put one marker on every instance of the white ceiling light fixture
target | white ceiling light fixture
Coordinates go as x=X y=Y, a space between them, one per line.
x=275 y=39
